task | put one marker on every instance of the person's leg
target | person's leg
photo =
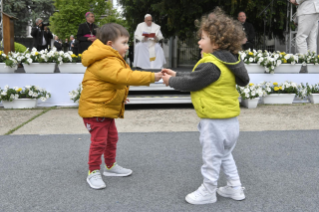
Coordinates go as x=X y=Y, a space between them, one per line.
x=112 y=168
x=211 y=154
x=112 y=139
x=312 y=39
x=233 y=188
x=99 y=134
x=305 y=25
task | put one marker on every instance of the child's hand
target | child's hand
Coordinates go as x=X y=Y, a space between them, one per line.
x=158 y=76
x=165 y=78
x=169 y=72
x=127 y=101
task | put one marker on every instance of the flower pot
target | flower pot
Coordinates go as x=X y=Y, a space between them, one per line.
x=39 y=68
x=76 y=68
x=314 y=98
x=4 y=69
x=288 y=69
x=312 y=68
x=250 y=103
x=20 y=103
x=283 y=98
x=254 y=68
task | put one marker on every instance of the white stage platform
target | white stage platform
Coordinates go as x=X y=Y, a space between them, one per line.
x=59 y=85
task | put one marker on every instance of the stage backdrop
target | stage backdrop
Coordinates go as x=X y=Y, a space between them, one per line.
x=59 y=85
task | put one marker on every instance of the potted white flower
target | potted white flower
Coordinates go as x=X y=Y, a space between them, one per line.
x=71 y=63
x=7 y=63
x=310 y=91
x=312 y=60
x=283 y=93
x=250 y=59
x=17 y=97
x=76 y=94
x=40 y=62
x=250 y=95
x=290 y=63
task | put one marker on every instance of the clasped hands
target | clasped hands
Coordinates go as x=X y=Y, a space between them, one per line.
x=165 y=74
x=294 y=2
x=92 y=38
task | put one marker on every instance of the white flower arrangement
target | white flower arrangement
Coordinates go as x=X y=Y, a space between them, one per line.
x=250 y=91
x=75 y=94
x=29 y=91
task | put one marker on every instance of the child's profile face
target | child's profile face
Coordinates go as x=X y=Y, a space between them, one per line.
x=121 y=45
x=205 y=43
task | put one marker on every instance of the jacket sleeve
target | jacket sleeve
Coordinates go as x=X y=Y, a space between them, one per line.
x=251 y=34
x=34 y=32
x=123 y=76
x=204 y=75
x=80 y=34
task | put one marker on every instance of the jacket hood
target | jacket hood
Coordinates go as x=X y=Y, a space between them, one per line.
x=98 y=51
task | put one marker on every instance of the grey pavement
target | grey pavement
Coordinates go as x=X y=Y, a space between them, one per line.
x=48 y=173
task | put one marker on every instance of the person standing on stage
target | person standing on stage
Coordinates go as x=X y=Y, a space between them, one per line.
x=86 y=32
x=307 y=21
x=249 y=30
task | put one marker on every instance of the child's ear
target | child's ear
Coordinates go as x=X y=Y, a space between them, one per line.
x=109 y=43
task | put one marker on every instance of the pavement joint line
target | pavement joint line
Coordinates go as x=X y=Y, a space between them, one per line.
x=26 y=122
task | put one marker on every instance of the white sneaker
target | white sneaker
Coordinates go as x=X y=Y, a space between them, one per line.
x=228 y=191
x=95 y=180
x=117 y=170
x=201 y=196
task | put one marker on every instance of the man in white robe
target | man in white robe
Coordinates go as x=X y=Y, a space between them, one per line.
x=148 y=54
x=307 y=20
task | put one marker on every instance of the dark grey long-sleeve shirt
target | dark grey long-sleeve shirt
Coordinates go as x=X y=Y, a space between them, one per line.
x=207 y=73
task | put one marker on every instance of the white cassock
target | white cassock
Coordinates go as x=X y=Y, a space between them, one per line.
x=148 y=54
x=307 y=18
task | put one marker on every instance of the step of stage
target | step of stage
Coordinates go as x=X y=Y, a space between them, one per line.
x=159 y=99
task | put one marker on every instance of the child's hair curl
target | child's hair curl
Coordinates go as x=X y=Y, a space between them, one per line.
x=223 y=31
x=110 y=32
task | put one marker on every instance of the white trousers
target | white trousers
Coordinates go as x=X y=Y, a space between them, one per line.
x=218 y=138
x=142 y=56
x=307 y=33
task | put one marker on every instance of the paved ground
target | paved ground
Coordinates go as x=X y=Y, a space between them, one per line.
x=47 y=173
x=67 y=120
x=44 y=163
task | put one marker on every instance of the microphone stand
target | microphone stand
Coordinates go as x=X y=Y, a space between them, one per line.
x=265 y=21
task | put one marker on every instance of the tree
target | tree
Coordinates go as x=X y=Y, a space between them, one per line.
x=70 y=14
x=26 y=11
x=177 y=17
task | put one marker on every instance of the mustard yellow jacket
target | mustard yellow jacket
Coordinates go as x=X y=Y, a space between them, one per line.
x=106 y=80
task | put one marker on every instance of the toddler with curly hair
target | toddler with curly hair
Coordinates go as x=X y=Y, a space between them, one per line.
x=212 y=84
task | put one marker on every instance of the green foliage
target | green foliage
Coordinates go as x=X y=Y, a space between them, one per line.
x=178 y=17
x=71 y=13
x=18 y=47
x=26 y=10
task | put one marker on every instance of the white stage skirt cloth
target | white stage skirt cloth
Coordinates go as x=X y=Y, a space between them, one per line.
x=142 y=57
x=59 y=85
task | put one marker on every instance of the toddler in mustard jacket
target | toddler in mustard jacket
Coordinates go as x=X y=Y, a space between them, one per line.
x=105 y=89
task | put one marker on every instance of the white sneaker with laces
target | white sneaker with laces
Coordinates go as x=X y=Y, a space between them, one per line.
x=201 y=196
x=228 y=191
x=117 y=170
x=95 y=180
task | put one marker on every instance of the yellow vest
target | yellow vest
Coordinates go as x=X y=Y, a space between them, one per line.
x=219 y=100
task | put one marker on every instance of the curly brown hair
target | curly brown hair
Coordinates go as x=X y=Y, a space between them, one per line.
x=223 y=31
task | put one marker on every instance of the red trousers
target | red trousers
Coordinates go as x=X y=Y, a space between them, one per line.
x=104 y=139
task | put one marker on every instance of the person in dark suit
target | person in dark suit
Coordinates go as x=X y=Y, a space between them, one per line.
x=41 y=37
x=73 y=45
x=86 y=32
x=249 y=30
x=66 y=45
x=57 y=43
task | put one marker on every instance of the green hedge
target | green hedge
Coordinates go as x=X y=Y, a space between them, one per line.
x=18 y=47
